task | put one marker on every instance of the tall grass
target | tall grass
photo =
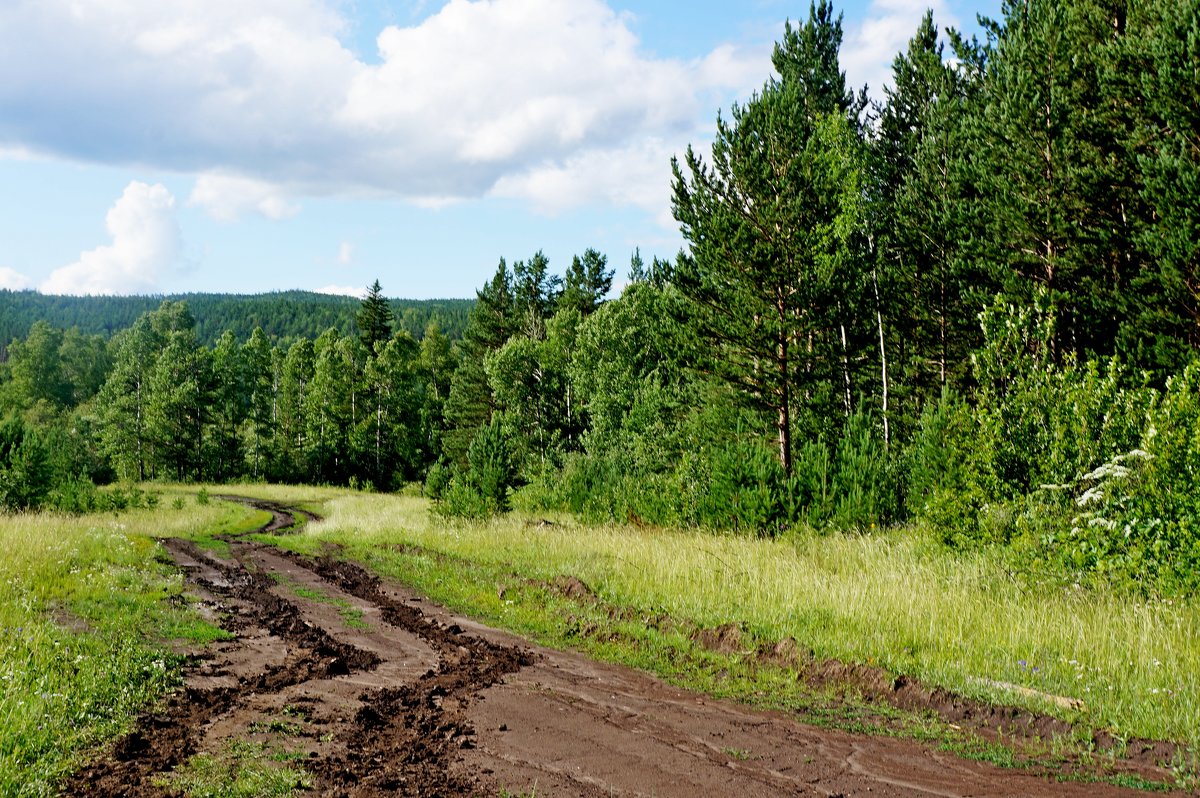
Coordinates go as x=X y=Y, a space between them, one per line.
x=84 y=628
x=899 y=600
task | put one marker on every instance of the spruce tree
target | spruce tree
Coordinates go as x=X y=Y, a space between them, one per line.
x=470 y=402
x=374 y=318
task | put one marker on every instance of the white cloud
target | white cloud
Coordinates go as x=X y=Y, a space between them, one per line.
x=227 y=198
x=869 y=47
x=145 y=246
x=13 y=280
x=264 y=102
x=342 y=290
x=637 y=175
x=345 y=253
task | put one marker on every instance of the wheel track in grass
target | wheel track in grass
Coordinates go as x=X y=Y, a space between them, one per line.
x=374 y=691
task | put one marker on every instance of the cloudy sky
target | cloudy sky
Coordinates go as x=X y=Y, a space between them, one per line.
x=163 y=146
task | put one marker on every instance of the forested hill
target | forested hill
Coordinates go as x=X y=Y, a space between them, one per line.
x=282 y=315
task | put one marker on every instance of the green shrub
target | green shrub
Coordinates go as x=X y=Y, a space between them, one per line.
x=437 y=480
x=944 y=471
x=863 y=490
x=483 y=489
x=491 y=470
x=810 y=484
x=463 y=500
x=1137 y=516
x=26 y=477
x=746 y=492
x=74 y=495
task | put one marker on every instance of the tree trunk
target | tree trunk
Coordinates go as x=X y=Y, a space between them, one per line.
x=883 y=368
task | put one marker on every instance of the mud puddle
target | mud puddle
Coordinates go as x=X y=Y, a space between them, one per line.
x=373 y=691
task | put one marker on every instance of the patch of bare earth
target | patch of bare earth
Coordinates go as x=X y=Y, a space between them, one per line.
x=374 y=691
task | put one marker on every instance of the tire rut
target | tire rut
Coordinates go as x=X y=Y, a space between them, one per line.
x=402 y=735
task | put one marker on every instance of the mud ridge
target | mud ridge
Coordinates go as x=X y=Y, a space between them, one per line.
x=166 y=736
x=405 y=738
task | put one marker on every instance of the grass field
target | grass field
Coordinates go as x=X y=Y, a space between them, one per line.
x=895 y=599
x=89 y=612
x=88 y=615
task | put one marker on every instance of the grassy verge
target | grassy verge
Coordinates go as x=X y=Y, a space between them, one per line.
x=899 y=601
x=88 y=613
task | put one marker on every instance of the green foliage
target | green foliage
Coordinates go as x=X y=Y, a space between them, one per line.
x=483 y=488
x=746 y=491
x=26 y=478
x=863 y=490
x=1135 y=517
x=374 y=318
x=437 y=480
x=491 y=471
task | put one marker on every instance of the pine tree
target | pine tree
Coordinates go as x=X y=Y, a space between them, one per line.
x=1161 y=78
x=929 y=292
x=262 y=390
x=1054 y=186
x=229 y=407
x=587 y=282
x=291 y=442
x=768 y=225
x=535 y=294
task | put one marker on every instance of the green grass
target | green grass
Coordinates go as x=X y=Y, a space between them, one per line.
x=88 y=612
x=89 y=605
x=242 y=770
x=352 y=617
x=898 y=600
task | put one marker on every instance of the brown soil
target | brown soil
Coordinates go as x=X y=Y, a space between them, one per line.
x=374 y=691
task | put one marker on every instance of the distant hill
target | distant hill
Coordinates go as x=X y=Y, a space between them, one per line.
x=284 y=315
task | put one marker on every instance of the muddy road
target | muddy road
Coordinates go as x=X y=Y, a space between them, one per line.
x=373 y=691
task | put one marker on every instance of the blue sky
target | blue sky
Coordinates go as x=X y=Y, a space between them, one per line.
x=164 y=146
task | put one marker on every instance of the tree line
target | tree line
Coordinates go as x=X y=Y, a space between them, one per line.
x=282 y=315
x=972 y=306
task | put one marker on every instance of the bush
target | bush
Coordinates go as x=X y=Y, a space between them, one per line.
x=491 y=471
x=943 y=471
x=483 y=489
x=437 y=480
x=462 y=500
x=1138 y=514
x=746 y=492
x=864 y=485
x=26 y=477
x=75 y=495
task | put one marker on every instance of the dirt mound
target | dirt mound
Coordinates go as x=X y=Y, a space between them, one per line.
x=725 y=639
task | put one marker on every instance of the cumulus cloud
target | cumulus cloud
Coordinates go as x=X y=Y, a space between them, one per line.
x=145 y=246
x=869 y=47
x=227 y=198
x=13 y=280
x=255 y=95
x=342 y=290
x=637 y=175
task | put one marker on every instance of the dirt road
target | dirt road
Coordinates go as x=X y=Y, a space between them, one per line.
x=374 y=691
